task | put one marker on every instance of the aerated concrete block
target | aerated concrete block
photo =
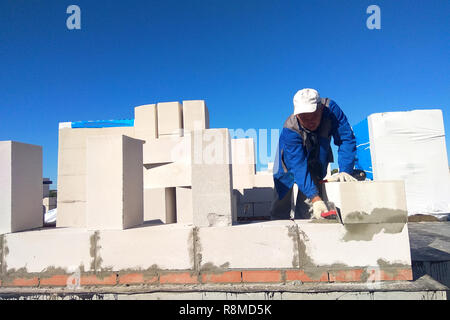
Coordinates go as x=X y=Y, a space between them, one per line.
x=384 y=245
x=114 y=182
x=48 y=250
x=73 y=188
x=195 y=115
x=162 y=175
x=167 y=149
x=368 y=201
x=145 y=122
x=211 y=177
x=268 y=244
x=170 y=118
x=243 y=160
x=72 y=162
x=185 y=211
x=74 y=214
x=20 y=186
x=145 y=248
x=264 y=180
x=160 y=204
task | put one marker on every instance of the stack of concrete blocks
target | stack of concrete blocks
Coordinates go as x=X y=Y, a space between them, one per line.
x=204 y=196
x=72 y=171
x=253 y=191
x=20 y=187
x=165 y=158
x=48 y=203
x=175 y=174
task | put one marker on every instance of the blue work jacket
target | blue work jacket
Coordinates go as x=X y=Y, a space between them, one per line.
x=291 y=161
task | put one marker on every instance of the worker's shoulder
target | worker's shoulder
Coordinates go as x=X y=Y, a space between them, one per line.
x=291 y=122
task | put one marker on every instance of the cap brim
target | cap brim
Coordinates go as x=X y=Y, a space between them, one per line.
x=305 y=108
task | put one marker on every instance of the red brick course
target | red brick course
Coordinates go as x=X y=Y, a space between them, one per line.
x=178 y=277
x=231 y=276
x=224 y=277
x=262 y=276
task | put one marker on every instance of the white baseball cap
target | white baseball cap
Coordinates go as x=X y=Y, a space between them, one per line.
x=306 y=101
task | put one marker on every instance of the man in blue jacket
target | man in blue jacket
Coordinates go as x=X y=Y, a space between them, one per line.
x=304 y=152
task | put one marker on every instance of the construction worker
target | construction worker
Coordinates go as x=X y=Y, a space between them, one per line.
x=304 y=152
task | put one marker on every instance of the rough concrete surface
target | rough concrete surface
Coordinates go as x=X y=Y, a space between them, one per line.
x=424 y=288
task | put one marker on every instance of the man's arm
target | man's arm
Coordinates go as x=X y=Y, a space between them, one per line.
x=343 y=138
x=296 y=162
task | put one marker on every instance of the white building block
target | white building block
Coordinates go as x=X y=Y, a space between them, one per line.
x=368 y=201
x=167 y=149
x=145 y=122
x=263 y=180
x=74 y=214
x=44 y=250
x=74 y=188
x=20 y=186
x=243 y=160
x=374 y=245
x=161 y=175
x=170 y=118
x=195 y=115
x=211 y=177
x=160 y=204
x=72 y=162
x=114 y=182
x=161 y=246
x=257 y=245
x=185 y=213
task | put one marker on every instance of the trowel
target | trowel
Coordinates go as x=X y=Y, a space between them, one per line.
x=333 y=212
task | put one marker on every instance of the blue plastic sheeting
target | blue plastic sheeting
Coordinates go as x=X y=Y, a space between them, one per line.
x=363 y=156
x=103 y=123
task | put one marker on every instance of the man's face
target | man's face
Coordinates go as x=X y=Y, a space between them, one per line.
x=311 y=121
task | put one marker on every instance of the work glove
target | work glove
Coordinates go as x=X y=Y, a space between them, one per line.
x=341 y=177
x=319 y=207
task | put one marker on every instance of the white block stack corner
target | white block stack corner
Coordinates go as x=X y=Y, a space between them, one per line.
x=410 y=146
x=20 y=187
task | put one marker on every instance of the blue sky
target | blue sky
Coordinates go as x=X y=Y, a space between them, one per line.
x=246 y=58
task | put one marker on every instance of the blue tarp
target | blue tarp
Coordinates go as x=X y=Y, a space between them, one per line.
x=103 y=123
x=363 y=156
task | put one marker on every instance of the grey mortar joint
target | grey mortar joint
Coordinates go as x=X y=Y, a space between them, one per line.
x=196 y=248
x=94 y=249
x=1 y=255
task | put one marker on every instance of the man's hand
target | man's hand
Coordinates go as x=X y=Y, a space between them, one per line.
x=319 y=207
x=341 y=177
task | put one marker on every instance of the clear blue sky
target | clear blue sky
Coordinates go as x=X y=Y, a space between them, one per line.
x=246 y=58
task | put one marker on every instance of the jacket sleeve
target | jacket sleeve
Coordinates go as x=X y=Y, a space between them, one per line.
x=343 y=138
x=295 y=159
